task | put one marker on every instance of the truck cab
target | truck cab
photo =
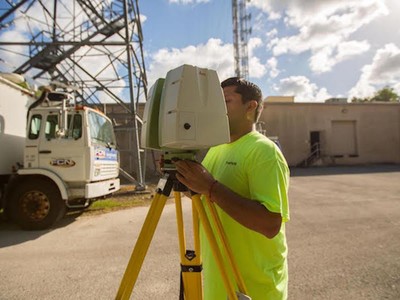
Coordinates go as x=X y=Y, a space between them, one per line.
x=76 y=143
x=69 y=159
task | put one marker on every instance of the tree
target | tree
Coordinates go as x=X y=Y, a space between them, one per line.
x=387 y=94
x=355 y=99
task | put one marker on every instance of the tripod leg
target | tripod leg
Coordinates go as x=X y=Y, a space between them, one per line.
x=191 y=266
x=214 y=246
x=226 y=247
x=141 y=247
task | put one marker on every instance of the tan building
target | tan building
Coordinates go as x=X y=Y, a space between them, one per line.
x=335 y=133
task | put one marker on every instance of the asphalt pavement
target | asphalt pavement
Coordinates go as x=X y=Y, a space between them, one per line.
x=343 y=236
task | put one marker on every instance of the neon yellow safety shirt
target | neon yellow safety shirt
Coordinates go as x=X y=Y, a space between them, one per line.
x=253 y=167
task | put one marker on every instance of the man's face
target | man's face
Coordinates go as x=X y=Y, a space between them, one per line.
x=237 y=110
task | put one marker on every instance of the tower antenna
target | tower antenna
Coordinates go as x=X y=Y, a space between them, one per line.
x=241 y=32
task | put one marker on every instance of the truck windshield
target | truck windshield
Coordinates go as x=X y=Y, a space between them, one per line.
x=101 y=130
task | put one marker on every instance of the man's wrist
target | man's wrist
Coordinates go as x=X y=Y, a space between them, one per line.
x=212 y=189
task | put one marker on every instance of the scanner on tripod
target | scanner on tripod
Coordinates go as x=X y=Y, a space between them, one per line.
x=185 y=111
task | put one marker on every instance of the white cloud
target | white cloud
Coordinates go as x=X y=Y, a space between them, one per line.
x=396 y=88
x=256 y=68
x=272 y=65
x=273 y=8
x=384 y=70
x=322 y=60
x=348 y=49
x=386 y=65
x=302 y=89
x=325 y=59
x=213 y=55
x=325 y=34
x=300 y=13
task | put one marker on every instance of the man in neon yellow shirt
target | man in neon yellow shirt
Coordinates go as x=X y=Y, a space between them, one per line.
x=248 y=181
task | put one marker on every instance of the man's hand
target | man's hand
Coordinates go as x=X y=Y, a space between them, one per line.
x=250 y=213
x=193 y=175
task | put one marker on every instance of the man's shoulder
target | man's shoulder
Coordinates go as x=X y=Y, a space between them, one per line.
x=253 y=143
x=263 y=149
x=259 y=142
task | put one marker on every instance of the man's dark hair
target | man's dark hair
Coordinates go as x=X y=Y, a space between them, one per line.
x=248 y=90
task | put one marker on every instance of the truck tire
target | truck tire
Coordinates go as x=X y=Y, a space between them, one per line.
x=36 y=204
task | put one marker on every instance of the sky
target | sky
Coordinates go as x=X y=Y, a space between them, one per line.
x=310 y=49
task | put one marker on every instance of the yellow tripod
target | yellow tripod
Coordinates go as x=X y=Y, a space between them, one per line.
x=191 y=267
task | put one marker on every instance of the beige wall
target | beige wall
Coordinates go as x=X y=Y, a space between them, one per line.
x=353 y=133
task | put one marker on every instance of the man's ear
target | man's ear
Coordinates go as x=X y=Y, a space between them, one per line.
x=251 y=109
x=252 y=105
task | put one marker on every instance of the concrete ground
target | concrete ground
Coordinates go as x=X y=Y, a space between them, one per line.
x=344 y=243
x=344 y=236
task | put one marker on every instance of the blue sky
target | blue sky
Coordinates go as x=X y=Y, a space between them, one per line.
x=310 y=49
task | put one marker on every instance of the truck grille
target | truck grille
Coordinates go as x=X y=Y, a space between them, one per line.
x=106 y=171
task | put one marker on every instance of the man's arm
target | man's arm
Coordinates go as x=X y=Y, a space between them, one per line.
x=247 y=212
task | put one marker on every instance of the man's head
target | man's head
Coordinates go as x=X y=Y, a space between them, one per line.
x=250 y=93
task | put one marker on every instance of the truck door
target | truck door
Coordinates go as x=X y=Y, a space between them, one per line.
x=63 y=153
x=32 y=142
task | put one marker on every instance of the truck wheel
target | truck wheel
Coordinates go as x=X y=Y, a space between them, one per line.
x=36 y=204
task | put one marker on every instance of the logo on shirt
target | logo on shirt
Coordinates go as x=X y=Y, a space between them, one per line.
x=232 y=163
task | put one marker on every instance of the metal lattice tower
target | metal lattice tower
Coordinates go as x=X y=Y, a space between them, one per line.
x=95 y=45
x=241 y=32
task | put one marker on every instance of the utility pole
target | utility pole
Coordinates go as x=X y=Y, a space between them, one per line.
x=241 y=32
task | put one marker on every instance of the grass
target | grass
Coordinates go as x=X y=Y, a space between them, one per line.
x=111 y=204
x=126 y=197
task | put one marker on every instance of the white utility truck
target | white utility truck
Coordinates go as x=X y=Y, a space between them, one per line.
x=54 y=154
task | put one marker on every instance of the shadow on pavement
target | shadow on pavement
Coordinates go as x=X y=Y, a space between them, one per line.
x=11 y=234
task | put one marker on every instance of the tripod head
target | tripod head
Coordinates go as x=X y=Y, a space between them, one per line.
x=168 y=167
